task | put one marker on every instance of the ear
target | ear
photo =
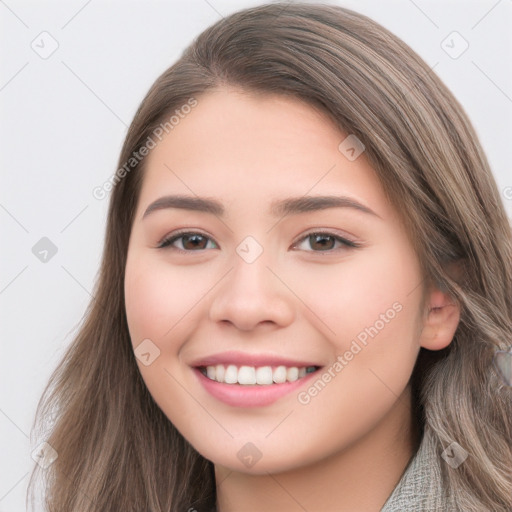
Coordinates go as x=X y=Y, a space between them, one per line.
x=441 y=318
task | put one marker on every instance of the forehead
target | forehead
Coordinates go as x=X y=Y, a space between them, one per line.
x=251 y=149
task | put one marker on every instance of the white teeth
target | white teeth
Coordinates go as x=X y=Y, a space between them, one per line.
x=250 y=375
x=279 y=375
x=220 y=371
x=247 y=375
x=231 y=375
x=264 y=375
x=292 y=374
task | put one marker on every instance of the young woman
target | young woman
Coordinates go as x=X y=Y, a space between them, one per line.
x=307 y=274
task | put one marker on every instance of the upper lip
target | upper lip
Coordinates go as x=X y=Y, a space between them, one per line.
x=243 y=359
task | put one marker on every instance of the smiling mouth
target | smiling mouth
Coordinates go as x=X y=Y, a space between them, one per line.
x=255 y=376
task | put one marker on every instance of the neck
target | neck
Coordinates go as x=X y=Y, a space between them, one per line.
x=359 y=477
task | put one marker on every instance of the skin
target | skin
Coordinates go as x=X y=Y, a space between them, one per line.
x=347 y=448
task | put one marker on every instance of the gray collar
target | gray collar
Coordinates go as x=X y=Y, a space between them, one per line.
x=417 y=491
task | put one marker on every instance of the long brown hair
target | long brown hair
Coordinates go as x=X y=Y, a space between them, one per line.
x=116 y=449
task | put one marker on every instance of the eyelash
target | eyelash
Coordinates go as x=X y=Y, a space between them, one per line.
x=168 y=240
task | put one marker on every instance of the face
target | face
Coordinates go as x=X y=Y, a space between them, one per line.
x=324 y=295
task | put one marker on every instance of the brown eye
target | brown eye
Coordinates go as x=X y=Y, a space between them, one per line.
x=188 y=242
x=324 y=242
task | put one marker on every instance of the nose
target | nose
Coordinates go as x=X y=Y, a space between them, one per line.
x=252 y=294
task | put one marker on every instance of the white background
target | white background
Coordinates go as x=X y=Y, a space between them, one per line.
x=63 y=120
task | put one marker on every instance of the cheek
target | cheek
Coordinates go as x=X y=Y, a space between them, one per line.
x=165 y=301
x=365 y=289
x=155 y=298
x=159 y=302
x=378 y=326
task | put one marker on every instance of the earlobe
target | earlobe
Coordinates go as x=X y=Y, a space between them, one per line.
x=441 y=320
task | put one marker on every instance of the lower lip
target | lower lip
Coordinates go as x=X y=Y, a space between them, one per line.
x=238 y=395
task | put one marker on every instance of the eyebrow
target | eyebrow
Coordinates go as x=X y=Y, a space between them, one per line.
x=281 y=207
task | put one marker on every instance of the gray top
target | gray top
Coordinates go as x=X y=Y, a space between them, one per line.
x=416 y=491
